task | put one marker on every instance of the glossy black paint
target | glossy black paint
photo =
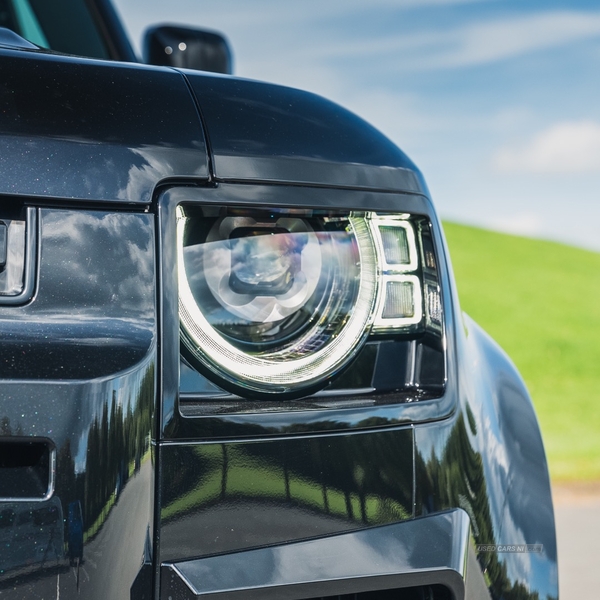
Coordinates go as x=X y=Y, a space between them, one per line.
x=454 y=467
x=80 y=305
x=263 y=132
x=486 y=459
x=223 y=497
x=75 y=128
x=78 y=374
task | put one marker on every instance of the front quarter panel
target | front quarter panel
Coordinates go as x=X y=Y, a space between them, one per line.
x=489 y=460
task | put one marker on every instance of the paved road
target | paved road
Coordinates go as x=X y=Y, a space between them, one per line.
x=577 y=510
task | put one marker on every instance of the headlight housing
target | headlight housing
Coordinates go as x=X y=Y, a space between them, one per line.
x=280 y=301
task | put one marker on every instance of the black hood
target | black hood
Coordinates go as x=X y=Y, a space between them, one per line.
x=100 y=131
x=270 y=133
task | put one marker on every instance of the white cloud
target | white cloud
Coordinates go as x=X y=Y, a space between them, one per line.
x=526 y=223
x=270 y=29
x=474 y=43
x=486 y=42
x=564 y=148
x=264 y=13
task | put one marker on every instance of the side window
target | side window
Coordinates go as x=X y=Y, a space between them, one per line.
x=28 y=24
x=62 y=25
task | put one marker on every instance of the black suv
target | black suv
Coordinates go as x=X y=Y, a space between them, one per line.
x=232 y=359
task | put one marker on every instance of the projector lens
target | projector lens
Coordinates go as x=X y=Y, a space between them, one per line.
x=274 y=301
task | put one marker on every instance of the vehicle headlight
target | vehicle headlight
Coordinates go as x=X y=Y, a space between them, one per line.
x=280 y=301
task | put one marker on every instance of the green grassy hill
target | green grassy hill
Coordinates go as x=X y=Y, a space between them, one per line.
x=541 y=302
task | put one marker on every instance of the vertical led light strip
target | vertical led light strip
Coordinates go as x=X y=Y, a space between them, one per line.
x=396 y=272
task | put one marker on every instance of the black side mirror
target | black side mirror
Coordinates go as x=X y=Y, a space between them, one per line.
x=187 y=48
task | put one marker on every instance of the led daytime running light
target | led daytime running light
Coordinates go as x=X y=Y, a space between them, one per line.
x=280 y=371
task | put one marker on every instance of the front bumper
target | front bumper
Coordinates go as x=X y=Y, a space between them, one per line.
x=435 y=550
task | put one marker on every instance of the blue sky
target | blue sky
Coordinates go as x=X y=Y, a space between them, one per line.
x=497 y=101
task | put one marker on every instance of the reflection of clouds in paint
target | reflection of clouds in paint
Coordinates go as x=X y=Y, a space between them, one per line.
x=524 y=566
x=95 y=298
x=563 y=148
x=497 y=474
x=80 y=457
x=528 y=486
x=499 y=483
x=519 y=563
x=101 y=261
x=305 y=565
x=495 y=447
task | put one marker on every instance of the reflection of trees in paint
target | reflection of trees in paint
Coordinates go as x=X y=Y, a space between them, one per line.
x=75 y=532
x=457 y=479
x=364 y=478
x=116 y=441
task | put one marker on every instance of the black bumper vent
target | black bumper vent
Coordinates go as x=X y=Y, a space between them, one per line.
x=430 y=592
x=26 y=469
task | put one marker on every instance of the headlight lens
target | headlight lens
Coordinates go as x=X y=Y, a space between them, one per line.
x=274 y=302
x=280 y=301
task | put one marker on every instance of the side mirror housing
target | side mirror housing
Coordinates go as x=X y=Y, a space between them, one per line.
x=187 y=48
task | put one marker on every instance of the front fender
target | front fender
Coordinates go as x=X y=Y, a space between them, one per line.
x=528 y=512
